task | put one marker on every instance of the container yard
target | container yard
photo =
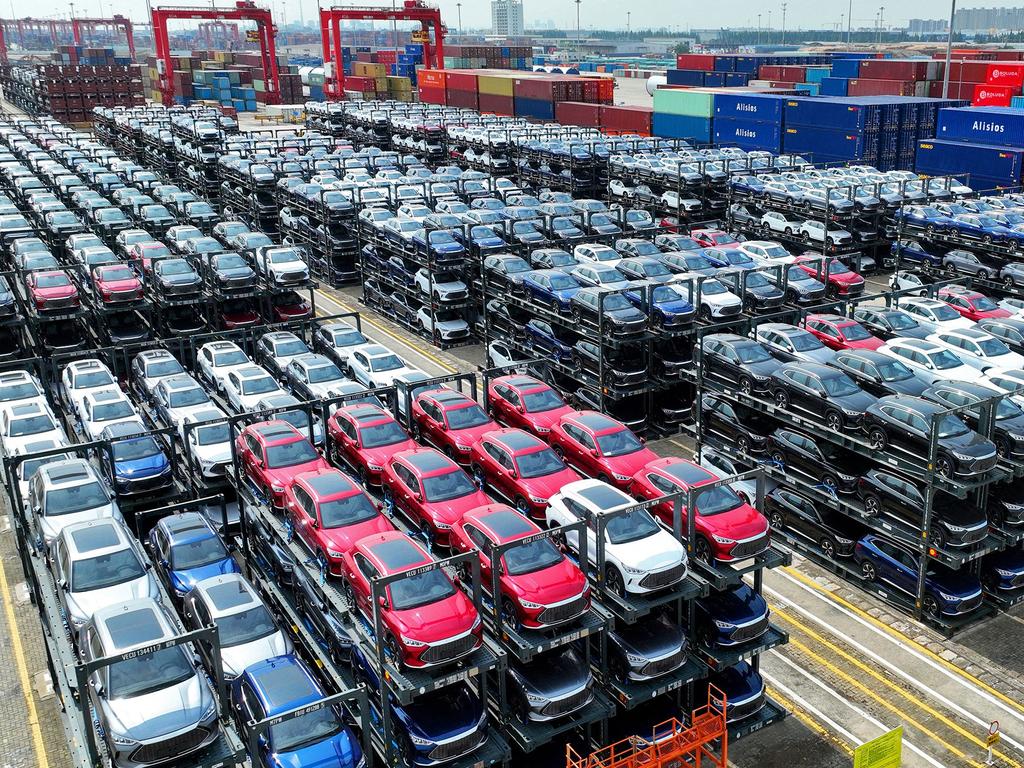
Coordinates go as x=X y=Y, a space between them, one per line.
x=395 y=390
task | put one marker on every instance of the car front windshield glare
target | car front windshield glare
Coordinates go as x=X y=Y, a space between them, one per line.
x=135 y=449
x=385 y=433
x=184 y=398
x=539 y=463
x=717 y=500
x=945 y=360
x=31 y=425
x=18 y=392
x=196 y=554
x=233 y=357
x=466 y=418
x=951 y=426
x=619 y=443
x=451 y=485
x=630 y=526
x=259 y=386
x=106 y=570
x=290 y=454
x=215 y=434
x=245 y=626
x=839 y=386
x=894 y=370
x=148 y=672
x=901 y=322
x=752 y=353
x=855 y=333
x=805 y=342
x=534 y=556
x=944 y=312
x=993 y=347
x=385 y=363
x=339 y=513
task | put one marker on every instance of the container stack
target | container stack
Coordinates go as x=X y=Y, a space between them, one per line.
x=496 y=95
x=523 y=94
x=610 y=119
x=988 y=141
x=228 y=79
x=749 y=121
x=518 y=57
x=730 y=71
x=69 y=92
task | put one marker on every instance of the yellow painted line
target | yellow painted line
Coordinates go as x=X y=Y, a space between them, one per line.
x=899 y=713
x=808 y=720
x=1013 y=703
x=19 y=662
x=884 y=681
x=428 y=355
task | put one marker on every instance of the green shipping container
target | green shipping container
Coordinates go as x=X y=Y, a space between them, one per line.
x=689 y=102
x=258 y=85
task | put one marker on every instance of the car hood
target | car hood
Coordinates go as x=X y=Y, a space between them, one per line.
x=53 y=525
x=57 y=292
x=743 y=522
x=438 y=621
x=344 y=539
x=912 y=386
x=857 y=401
x=554 y=675
x=285 y=475
x=737 y=606
x=235 y=272
x=82 y=605
x=548 y=485
x=653 y=553
x=443 y=715
x=872 y=343
x=150 y=465
x=120 y=285
x=651 y=639
x=545 y=419
x=185 y=278
x=451 y=512
x=186 y=579
x=379 y=456
x=631 y=463
x=338 y=750
x=218 y=453
x=237 y=658
x=161 y=712
x=956 y=583
x=763 y=369
x=823 y=355
x=551 y=585
x=971 y=444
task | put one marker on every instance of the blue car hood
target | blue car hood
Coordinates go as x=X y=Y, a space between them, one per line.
x=441 y=717
x=185 y=580
x=339 y=751
x=144 y=467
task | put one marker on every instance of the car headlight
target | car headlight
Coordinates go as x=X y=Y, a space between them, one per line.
x=536 y=699
x=851 y=412
x=1005 y=573
x=954 y=528
x=542 y=430
x=122 y=741
x=847 y=478
x=962 y=456
x=374 y=468
x=277 y=488
x=949 y=598
x=419 y=741
x=442 y=526
x=476 y=624
x=724 y=624
x=335 y=555
x=723 y=539
x=620 y=478
x=761 y=378
x=635 y=659
x=463 y=448
x=634 y=571
x=412 y=643
x=531 y=606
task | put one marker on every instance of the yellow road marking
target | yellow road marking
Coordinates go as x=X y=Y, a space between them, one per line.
x=428 y=355
x=904 y=638
x=873 y=674
x=19 y=662
x=808 y=720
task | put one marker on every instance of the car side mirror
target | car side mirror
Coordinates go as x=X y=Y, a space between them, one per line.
x=382 y=602
x=417 y=495
x=64 y=585
x=594 y=453
x=314 y=523
x=521 y=408
x=822 y=394
x=513 y=474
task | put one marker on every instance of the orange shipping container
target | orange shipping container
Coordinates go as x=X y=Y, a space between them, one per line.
x=431 y=78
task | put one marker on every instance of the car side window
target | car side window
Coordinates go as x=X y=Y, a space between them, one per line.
x=253 y=445
x=407 y=477
x=347 y=428
x=365 y=567
x=660 y=483
x=479 y=539
x=576 y=509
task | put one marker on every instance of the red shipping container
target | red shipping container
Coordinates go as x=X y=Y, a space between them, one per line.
x=1008 y=55
x=894 y=69
x=464 y=99
x=1005 y=73
x=769 y=72
x=498 y=105
x=635 y=119
x=460 y=80
x=869 y=87
x=432 y=78
x=432 y=95
x=966 y=71
x=590 y=91
x=986 y=95
x=364 y=84
x=534 y=88
x=578 y=113
x=702 y=61
x=606 y=89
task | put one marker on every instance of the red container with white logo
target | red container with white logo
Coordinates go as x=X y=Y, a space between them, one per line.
x=986 y=95
x=1006 y=73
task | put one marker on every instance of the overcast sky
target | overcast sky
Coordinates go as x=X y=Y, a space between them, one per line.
x=594 y=13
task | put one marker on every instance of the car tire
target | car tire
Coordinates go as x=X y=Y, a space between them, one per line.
x=982 y=274
x=477 y=473
x=392 y=648
x=944 y=466
x=930 y=605
x=830 y=483
x=1002 y=447
x=743 y=443
x=1008 y=282
x=781 y=399
x=868 y=572
x=703 y=552
x=936 y=537
x=828 y=547
x=349 y=593
x=834 y=421
x=872 y=505
x=776 y=520
x=509 y=615
x=522 y=506
x=705 y=313
x=613 y=581
x=878 y=439
x=746 y=385
x=778 y=457
x=788 y=231
x=951 y=268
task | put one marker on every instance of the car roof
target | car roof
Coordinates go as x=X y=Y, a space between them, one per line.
x=186 y=526
x=426 y=461
x=283 y=683
x=516 y=439
x=597 y=494
x=594 y=421
x=923 y=345
x=503 y=522
x=274 y=430
x=68 y=471
x=968 y=333
x=226 y=594
x=327 y=482
x=394 y=551
x=686 y=472
x=95 y=537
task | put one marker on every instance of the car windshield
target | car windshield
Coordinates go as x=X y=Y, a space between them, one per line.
x=231 y=357
x=348 y=338
x=539 y=463
x=18 y=391
x=255 y=240
x=466 y=418
x=213 y=434
x=984 y=304
x=176 y=267
x=78 y=498
x=757 y=280
x=618 y=443
x=290 y=454
x=182 y=398
x=839 y=386
x=717 y=500
x=542 y=400
x=993 y=347
x=736 y=258
x=804 y=342
x=838 y=268
x=752 y=353
x=442 y=238
x=385 y=433
x=196 y=554
x=148 y=672
x=231 y=261
x=282 y=257
x=106 y=570
x=631 y=526
x=135 y=449
x=340 y=513
x=420 y=589
x=117 y=273
x=894 y=370
x=944 y=312
x=322 y=374
x=944 y=360
x=52 y=281
x=385 y=363
x=531 y=557
x=563 y=283
x=951 y=426
x=245 y=626
x=451 y=485
x=616 y=301
x=258 y=385
x=901 y=322
x=854 y=332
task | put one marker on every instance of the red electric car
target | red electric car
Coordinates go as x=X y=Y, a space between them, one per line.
x=52 y=291
x=840 y=280
x=329 y=513
x=116 y=283
x=540 y=587
x=426 y=620
x=839 y=332
x=971 y=304
x=365 y=436
x=525 y=402
x=272 y=454
x=600 y=446
x=714 y=238
x=727 y=528
x=450 y=421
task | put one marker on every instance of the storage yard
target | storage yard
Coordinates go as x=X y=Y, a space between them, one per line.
x=448 y=402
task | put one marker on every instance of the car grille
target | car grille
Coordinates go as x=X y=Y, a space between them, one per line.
x=170 y=748
x=664 y=666
x=854 y=290
x=629 y=377
x=462 y=333
x=444 y=652
x=455 y=296
x=570 y=703
x=629 y=328
x=147 y=483
x=749 y=631
x=733 y=309
x=293 y=277
x=736 y=712
x=457 y=747
x=123 y=295
x=237 y=282
x=57 y=303
x=663 y=578
x=750 y=547
x=814 y=295
x=182 y=288
x=974 y=536
x=980 y=465
x=966 y=606
x=556 y=614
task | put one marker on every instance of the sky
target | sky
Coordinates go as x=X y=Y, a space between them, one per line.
x=608 y=14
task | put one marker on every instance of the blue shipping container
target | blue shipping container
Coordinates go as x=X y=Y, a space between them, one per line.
x=817 y=74
x=685 y=77
x=725 y=63
x=999 y=164
x=750 y=106
x=812 y=89
x=748 y=134
x=541 y=109
x=834 y=86
x=736 y=79
x=682 y=127
x=982 y=125
x=848 y=68
x=832 y=113
x=714 y=79
x=848 y=145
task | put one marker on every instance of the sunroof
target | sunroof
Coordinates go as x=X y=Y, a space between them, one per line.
x=429 y=461
x=230 y=595
x=687 y=473
x=398 y=554
x=518 y=441
x=330 y=483
x=604 y=497
x=134 y=628
x=505 y=523
x=95 y=537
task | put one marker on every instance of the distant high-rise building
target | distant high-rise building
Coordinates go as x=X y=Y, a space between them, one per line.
x=989 y=19
x=928 y=26
x=507 y=18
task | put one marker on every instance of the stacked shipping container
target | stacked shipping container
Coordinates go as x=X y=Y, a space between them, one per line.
x=987 y=142
x=68 y=92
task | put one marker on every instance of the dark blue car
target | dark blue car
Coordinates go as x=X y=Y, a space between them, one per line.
x=1002 y=573
x=482 y=236
x=550 y=287
x=187 y=550
x=750 y=185
x=983 y=227
x=548 y=339
x=744 y=691
x=318 y=737
x=912 y=250
x=139 y=464
x=442 y=242
x=669 y=306
x=947 y=592
x=923 y=216
x=437 y=727
x=729 y=257
x=731 y=616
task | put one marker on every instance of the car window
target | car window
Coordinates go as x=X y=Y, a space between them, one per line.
x=662 y=484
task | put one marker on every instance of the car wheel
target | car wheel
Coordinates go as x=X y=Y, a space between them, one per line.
x=509 y=615
x=951 y=268
x=829 y=242
x=944 y=466
x=937 y=537
x=556 y=307
x=789 y=231
x=613 y=581
x=577 y=316
x=872 y=505
x=988 y=238
x=743 y=444
x=778 y=458
x=522 y=506
x=781 y=398
x=746 y=385
x=930 y=605
x=618 y=668
x=877 y=439
x=828 y=547
x=478 y=476
x=867 y=571
x=705 y=313
x=558 y=451
x=604 y=478
x=389 y=500
x=702 y=550
x=834 y=421
x=829 y=483
x=776 y=521
x=1008 y=282
x=349 y=593
x=982 y=274
x=1002 y=447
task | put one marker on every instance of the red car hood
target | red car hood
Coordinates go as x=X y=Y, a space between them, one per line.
x=290 y=313
x=846 y=278
x=546 y=419
x=344 y=539
x=57 y=292
x=743 y=522
x=452 y=511
x=235 y=319
x=438 y=621
x=379 y=456
x=631 y=463
x=550 y=585
x=998 y=312
x=130 y=284
x=470 y=437
x=547 y=486
x=285 y=475
x=872 y=343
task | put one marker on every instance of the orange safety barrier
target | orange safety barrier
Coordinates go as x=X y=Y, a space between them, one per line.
x=702 y=744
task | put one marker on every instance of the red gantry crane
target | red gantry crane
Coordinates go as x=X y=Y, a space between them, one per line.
x=411 y=10
x=244 y=10
x=78 y=26
x=69 y=30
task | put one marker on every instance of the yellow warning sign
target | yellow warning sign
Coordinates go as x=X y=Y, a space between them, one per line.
x=884 y=752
